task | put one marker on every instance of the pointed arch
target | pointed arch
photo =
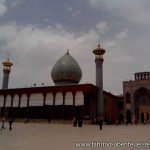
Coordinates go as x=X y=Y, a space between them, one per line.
x=8 y=101
x=49 y=99
x=16 y=100
x=36 y=99
x=79 y=98
x=1 y=101
x=59 y=99
x=128 y=97
x=23 y=100
x=69 y=98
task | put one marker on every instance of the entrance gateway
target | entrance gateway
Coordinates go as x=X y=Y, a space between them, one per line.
x=144 y=113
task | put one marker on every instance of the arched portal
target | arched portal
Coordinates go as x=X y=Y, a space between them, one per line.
x=142 y=104
x=120 y=118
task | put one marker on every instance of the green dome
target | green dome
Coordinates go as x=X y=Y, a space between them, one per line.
x=66 y=71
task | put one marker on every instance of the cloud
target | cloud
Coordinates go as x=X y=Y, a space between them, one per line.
x=3 y=8
x=102 y=27
x=70 y=9
x=123 y=34
x=135 y=11
x=15 y=3
x=117 y=58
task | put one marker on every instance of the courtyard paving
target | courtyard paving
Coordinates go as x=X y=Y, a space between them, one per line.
x=44 y=136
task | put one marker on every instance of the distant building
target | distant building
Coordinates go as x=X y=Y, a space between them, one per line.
x=137 y=98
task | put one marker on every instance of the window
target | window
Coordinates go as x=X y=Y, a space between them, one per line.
x=120 y=105
x=128 y=98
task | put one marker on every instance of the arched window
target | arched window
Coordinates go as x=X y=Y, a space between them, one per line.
x=79 y=98
x=16 y=100
x=1 y=101
x=59 y=99
x=128 y=98
x=49 y=99
x=69 y=98
x=24 y=100
x=36 y=99
x=120 y=105
x=8 y=101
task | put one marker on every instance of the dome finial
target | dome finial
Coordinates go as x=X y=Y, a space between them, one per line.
x=67 y=51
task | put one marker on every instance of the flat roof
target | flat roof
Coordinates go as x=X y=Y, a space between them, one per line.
x=45 y=89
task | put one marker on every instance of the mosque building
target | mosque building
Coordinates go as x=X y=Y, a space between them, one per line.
x=67 y=99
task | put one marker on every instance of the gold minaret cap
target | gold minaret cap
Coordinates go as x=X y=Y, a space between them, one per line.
x=99 y=50
x=7 y=62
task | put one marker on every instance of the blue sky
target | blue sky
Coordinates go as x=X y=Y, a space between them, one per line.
x=36 y=33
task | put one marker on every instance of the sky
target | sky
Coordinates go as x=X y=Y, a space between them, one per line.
x=36 y=33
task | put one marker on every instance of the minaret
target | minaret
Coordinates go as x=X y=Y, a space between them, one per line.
x=6 y=69
x=99 y=78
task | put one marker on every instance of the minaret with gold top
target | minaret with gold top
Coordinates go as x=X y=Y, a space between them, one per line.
x=99 y=79
x=6 y=69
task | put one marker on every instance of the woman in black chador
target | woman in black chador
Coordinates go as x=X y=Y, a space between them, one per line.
x=74 y=122
x=11 y=120
x=80 y=121
x=100 y=122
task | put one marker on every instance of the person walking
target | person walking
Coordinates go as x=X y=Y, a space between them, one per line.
x=11 y=120
x=74 y=122
x=3 y=122
x=100 y=124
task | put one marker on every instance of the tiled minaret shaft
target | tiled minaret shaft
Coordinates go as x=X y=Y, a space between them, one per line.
x=6 y=70
x=99 y=78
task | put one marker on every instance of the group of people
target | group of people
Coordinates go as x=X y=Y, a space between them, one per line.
x=79 y=122
x=76 y=122
x=10 y=121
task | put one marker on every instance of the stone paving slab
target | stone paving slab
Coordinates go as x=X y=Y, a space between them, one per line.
x=43 y=136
